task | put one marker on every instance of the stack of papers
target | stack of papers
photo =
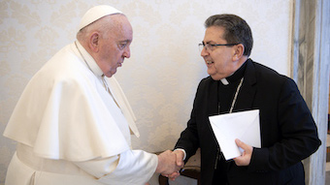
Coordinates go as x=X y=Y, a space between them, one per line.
x=244 y=126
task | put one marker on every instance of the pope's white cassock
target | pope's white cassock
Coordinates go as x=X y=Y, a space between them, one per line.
x=70 y=130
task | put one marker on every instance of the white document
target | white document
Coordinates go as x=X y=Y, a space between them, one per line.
x=239 y=125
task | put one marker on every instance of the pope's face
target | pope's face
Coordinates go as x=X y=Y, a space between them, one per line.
x=115 y=47
x=218 y=59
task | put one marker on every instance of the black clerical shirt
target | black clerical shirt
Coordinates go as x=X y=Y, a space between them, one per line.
x=227 y=92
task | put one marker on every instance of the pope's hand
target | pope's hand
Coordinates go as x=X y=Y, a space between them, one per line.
x=245 y=158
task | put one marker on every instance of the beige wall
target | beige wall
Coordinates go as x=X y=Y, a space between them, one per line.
x=160 y=78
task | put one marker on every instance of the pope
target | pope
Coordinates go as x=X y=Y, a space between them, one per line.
x=73 y=124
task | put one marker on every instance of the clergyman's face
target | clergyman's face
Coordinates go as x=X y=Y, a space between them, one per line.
x=115 y=47
x=218 y=59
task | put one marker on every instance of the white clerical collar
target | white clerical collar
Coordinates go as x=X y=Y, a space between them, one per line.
x=224 y=81
x=90 y=62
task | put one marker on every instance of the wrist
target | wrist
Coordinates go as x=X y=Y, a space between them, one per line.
x=182 y=150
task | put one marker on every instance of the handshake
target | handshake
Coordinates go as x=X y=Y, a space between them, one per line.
x=169 y=163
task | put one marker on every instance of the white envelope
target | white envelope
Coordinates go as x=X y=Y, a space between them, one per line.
x=239 y=125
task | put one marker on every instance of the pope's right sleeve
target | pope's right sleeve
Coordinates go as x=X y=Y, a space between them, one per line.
x=132 y=167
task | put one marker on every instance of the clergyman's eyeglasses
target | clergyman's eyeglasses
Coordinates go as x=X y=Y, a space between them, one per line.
x=211 y=47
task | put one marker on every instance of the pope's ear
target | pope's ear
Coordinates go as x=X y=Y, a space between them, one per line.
x=239 y=50
x=94 y=41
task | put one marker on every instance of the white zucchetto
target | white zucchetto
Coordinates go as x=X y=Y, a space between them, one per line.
x=96 y=13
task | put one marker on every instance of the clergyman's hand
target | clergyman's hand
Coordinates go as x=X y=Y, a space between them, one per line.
x=245 y=158
x=167 y=163
x=179 y=163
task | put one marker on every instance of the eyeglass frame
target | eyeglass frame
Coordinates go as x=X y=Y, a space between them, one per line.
x=213 y=45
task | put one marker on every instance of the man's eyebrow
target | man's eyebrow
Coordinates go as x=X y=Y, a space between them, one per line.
x=127 y=41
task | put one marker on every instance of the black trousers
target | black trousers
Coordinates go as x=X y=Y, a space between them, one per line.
x=220 y=174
